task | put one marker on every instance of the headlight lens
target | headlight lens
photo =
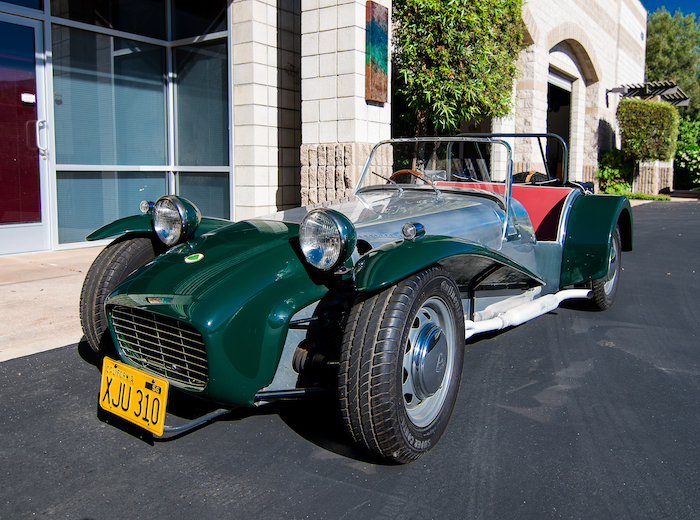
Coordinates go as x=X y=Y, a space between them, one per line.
x=175 y=219
x=327 y=239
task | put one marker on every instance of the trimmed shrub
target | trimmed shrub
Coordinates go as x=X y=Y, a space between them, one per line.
x=649 y=129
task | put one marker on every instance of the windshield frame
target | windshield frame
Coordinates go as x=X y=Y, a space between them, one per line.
x=450 y=140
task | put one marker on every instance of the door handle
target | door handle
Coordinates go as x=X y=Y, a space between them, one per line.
x=43 y=150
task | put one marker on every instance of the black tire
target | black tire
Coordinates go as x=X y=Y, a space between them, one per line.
x=401 y=364
x=605 y=288
x=111 y=267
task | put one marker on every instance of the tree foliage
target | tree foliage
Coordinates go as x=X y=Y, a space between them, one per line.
x=615 y=172
x=455 y=60
x=673 y=53
x=687 y=165
x=688 y=134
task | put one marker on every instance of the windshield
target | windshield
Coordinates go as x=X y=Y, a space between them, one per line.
x=435 y=161
x=484 y=159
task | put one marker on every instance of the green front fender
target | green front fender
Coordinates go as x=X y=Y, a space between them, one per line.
x=240 y=295
x=466 y=261
x=143 y=224
x=589 y=233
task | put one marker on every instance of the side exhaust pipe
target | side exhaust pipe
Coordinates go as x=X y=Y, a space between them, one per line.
x=525 y=312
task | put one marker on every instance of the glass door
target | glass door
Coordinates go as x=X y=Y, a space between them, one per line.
x=24 y=215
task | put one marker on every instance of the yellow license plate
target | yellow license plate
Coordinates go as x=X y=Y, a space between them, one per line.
x=133 y=395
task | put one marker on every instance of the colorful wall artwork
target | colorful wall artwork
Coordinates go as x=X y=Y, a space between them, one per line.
x=377 y=53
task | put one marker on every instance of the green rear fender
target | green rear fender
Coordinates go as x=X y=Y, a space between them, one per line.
x=589 y=233
x=140 y=224
x=466 y=262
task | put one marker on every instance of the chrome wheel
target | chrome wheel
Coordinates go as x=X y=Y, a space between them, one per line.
x=605 y=288
x=613 y=268
x=401 y=363
x=428 y=361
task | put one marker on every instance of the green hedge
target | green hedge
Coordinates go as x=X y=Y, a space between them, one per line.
x=615 y=171
x=649 y=129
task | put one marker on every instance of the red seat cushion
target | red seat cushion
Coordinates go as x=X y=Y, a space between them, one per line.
x=542 y=203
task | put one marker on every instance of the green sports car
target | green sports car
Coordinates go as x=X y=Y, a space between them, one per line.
x=372 y=296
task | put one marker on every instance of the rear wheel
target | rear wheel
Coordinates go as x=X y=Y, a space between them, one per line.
x=401 y=364
x=111 y=267
x=605 y=288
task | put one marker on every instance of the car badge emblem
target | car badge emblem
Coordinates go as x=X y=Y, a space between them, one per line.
x=440 y=365
x=196 y=257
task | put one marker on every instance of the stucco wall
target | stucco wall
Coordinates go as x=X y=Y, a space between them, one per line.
x=596 y=46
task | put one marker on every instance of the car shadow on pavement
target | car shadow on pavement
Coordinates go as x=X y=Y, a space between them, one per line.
x=315 y=417
x=87 y=354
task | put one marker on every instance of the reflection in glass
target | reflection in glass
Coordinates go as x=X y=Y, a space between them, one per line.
x=144 y=17
x=89 y=200
x=202 y=104
x=109 y=99
x=20 y=199
x=196 y=18
x=32 y=4
x=208 y=191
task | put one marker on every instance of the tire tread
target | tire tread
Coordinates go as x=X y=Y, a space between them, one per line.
x=366 y=379
x=114 y=263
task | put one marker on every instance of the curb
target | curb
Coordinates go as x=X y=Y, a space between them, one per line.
x=36 y=348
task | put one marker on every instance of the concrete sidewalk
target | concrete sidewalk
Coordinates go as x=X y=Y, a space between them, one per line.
x=39 y=298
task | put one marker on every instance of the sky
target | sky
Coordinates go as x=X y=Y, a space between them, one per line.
x=686 y=6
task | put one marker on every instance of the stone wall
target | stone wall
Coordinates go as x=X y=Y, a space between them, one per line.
x=328 y=171
x=589 y=176
x=653 y=177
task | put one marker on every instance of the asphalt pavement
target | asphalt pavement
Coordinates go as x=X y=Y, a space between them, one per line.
x=576 y=414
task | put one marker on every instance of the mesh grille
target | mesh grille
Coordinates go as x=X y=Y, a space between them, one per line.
x=162 y=346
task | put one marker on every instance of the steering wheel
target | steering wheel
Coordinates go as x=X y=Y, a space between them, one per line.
x=463 y=178
x=415 y=173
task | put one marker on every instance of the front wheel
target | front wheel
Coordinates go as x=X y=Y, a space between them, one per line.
x=401 y=364
x=111 y=267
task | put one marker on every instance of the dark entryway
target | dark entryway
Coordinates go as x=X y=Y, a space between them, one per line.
x=558 y=122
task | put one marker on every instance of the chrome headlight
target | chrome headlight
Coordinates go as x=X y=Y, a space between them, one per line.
x=175 y=219
x=327 y=239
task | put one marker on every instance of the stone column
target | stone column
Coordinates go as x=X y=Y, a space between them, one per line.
x=337 y=123
x=265 y=61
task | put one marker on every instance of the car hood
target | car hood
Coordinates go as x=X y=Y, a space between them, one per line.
x=378 y=215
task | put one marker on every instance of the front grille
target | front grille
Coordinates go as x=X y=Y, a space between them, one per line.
x=161 y=345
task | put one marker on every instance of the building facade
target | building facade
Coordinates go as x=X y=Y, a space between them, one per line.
x=576 y=52
x=105 y=104
x=247 y=107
